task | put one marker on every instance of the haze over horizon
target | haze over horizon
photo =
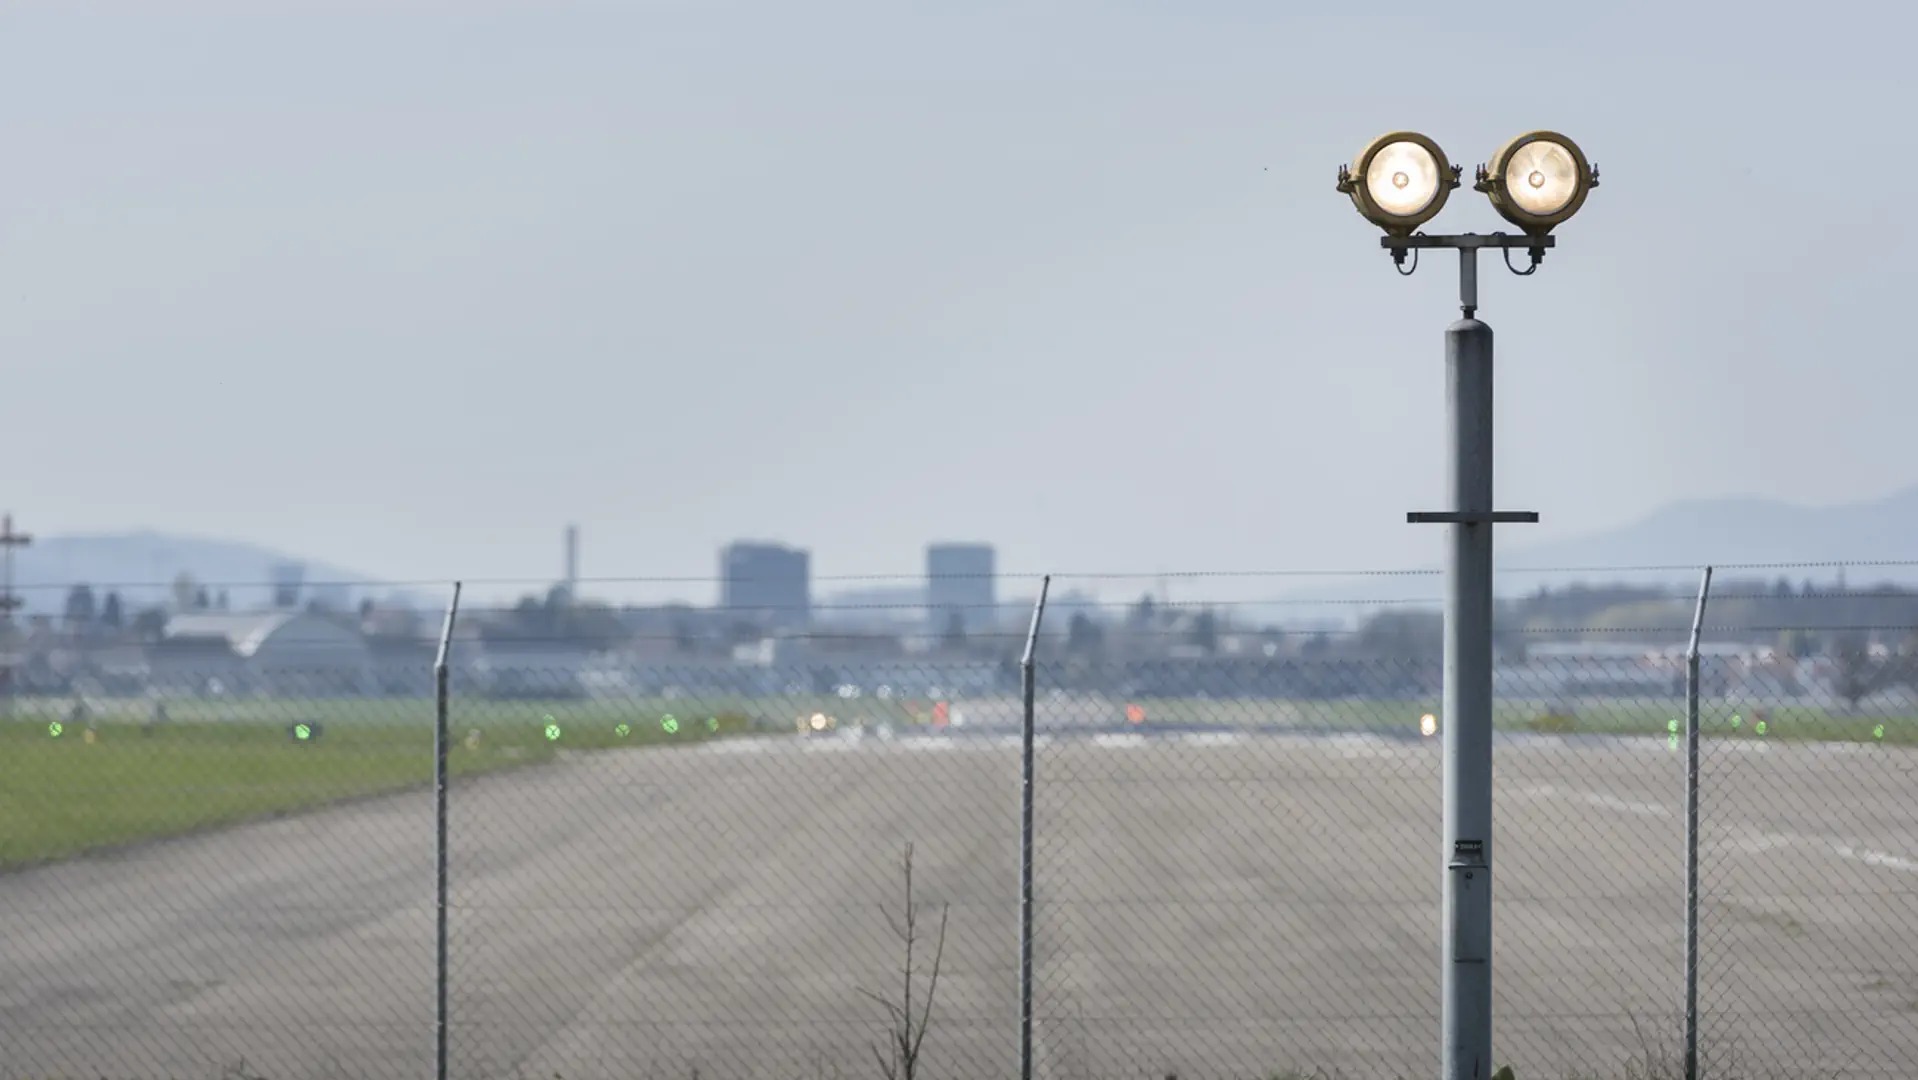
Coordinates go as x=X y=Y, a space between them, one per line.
x=406 y=290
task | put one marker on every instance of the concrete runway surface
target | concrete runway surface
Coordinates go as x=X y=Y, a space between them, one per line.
x=1211 y=905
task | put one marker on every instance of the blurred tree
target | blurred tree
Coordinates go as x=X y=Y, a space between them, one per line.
x=953 y=634
x=1404 y=634
x=185 y=589
x=594 y=626
x=150 y=623
x=1797 y=644
x=1083 y=634
x=1143 y=613
x=685 y=638
x=1509 y=638
x=1205 y=631
x=1642 y=619
x=81 y=608
x=1859 y=674
x=112 y=612
x=530 y=612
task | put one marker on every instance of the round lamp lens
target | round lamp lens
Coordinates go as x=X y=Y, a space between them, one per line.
x=1541 y=178
x=1402 y=178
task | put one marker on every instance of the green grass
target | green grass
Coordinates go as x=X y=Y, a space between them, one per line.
x=113 y=781
x=1598 y=716
x=219 y=762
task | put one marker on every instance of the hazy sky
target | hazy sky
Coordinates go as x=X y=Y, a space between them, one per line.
x=406 y=291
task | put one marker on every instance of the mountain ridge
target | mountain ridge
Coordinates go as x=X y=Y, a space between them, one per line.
x=1875 y=540
x=1743 y=535
x=141 y=565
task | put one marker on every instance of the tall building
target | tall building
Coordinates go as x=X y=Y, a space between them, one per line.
x=766 y=582
x=959 y=579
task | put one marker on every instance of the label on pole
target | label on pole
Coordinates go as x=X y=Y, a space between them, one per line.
x=1468 y=853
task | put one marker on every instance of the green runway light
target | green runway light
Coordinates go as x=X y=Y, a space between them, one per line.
x=622 y=731
x=1760 y=728
x=302 y=732
x=552 y=730
x=712 y=723
x=1878 y=732
x=1736 y=720
x=54 y=729
x=670 y=724
x=1671 y=742
x=1672 y=726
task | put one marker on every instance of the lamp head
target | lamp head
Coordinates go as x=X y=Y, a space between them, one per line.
x=1399 y=181
x=1537 y=180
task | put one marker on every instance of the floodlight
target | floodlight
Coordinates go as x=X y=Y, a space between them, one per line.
x=1399 y=181
x=1537 y=180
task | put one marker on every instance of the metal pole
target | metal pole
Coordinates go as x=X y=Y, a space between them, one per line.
x=440 y=741
x=1691 y=828
x=1028 y=684
x=8 y=604
x=1467 y=978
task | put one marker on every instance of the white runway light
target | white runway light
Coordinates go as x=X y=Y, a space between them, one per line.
x=1428 y=725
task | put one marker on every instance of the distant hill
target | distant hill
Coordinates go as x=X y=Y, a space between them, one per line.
x=1746 y=531
x=141 y=566
x=1670 y=546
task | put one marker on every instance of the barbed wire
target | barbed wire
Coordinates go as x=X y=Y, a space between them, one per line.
x=1070 y=602
x=1024 y=576
x=876 y=639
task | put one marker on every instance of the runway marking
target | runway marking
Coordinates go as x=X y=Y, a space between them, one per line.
x=1119 y=742
x=1593 y=798
x=1211 y=738
x=1879 y=858
x=738 y=746
x=1758 y=843
x=1368 y=746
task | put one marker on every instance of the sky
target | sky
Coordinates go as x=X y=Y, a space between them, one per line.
x=406 y=286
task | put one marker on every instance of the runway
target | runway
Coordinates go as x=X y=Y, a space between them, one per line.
x=1209 y=904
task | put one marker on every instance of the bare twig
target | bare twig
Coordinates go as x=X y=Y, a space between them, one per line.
x=239 y=1071
x=908 y=1021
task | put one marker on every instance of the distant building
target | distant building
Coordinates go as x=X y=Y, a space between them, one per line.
x=766 y=583
x=960 y=581
x=278 y=652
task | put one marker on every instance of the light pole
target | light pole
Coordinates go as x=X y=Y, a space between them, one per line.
x=8 y=603
x=1399 y=182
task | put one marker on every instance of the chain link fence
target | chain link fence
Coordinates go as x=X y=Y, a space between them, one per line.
x=800 y=854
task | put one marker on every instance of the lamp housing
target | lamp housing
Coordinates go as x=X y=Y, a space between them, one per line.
x=1537 y=181
x=1399 y=181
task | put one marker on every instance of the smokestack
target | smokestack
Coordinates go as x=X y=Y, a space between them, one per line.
x=572 y=562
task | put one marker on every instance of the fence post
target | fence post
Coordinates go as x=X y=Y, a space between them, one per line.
x=1028 y=685
x=440 y=695
x=1691 y=828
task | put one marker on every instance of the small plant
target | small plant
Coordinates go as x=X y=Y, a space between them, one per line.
x=907 y=1022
